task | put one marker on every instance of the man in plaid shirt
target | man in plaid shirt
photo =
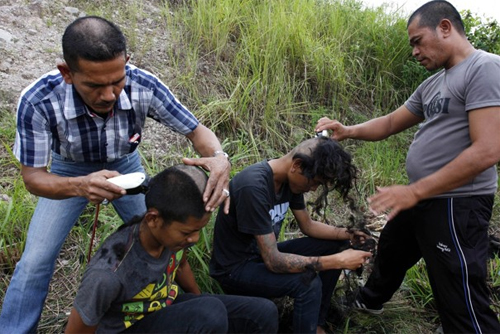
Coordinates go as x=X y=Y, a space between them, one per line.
x=86 y=120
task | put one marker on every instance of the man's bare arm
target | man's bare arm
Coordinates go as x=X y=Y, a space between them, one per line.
x=482 y=154
x=94 y=186
x=206 y=143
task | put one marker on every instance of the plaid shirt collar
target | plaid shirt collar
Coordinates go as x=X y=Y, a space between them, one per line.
x=75 y=107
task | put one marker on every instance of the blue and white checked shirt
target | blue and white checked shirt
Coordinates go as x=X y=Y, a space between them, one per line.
x=52 y=116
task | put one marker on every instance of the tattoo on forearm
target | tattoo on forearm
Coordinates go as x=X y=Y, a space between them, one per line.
x=295 y=263
x=285 y=262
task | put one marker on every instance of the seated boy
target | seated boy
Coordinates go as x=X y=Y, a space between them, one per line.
x=132 y=283
x=248 y=260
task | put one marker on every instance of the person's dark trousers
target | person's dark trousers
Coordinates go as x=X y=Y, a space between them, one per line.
x=209 y=313
x=312 y=293
x=451 y=234
x=329 y=278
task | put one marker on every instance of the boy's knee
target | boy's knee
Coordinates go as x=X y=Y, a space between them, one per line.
x=268 y=316
x=311 y=287
x=213 y=315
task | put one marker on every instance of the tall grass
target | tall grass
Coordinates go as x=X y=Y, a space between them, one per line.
x=274 y=61
x=16 y=204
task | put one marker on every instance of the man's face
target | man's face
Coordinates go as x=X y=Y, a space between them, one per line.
x=176 y=236
x=99 y=84
x=426 y=46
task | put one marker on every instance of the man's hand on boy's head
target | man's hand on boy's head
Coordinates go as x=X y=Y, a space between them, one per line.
x=339 y=131
x=217 y=189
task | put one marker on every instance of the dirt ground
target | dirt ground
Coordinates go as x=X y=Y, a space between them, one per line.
x=30 y=46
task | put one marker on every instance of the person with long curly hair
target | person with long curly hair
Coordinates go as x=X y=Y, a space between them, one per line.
x=247 y=258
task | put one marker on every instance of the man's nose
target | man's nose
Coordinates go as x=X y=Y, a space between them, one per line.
x=108 y=94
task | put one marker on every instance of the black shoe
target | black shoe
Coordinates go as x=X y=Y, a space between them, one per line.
x=359 y=304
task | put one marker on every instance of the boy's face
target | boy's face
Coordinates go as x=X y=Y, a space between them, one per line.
x=176 y=236
x=300 y=184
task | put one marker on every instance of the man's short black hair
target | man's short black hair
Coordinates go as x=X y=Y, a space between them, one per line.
x=431 y=14
x=177 y=193
x=92 y=38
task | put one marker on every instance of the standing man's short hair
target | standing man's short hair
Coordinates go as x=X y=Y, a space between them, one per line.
x=92 y=38
x=431 y=13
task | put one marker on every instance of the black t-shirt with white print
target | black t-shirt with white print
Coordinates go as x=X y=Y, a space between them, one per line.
x=255 y=209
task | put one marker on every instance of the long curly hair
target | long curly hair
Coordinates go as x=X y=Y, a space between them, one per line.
x=325 y=159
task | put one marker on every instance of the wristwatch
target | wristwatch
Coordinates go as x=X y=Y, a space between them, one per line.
x=216 y=153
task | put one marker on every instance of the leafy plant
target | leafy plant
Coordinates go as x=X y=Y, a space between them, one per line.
x=483 y=33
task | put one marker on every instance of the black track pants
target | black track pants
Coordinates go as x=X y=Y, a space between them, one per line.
x=451 y=234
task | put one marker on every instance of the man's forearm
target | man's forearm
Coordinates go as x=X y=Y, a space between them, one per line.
x=205 y=142
x=41 y=183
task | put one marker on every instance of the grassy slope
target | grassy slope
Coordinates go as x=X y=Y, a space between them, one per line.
x=260 y=74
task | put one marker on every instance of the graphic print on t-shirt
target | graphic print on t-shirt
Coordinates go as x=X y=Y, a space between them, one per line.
x=278 y=214
x=154 y=296
x=438 y=105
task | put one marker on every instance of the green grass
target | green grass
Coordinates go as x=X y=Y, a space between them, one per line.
x=260 y=74
x=274 y=61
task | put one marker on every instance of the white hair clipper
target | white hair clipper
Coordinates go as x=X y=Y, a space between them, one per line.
x=134 y=183
x=323 y=133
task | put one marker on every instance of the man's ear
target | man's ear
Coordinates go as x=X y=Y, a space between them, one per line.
x=445 y=27
x=65 y=72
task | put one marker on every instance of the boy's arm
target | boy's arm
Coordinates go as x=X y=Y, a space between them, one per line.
x=185 y=277
x=319 y=230
x=76 y=324
x=279 y=262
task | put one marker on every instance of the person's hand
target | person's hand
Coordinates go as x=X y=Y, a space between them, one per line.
x=358 y=237
x=353 y=259
x=217 y=189
x=339 y=131
x=391 y=200
x=96 y=188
